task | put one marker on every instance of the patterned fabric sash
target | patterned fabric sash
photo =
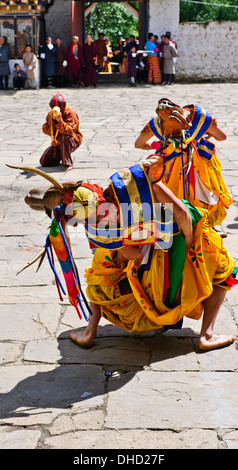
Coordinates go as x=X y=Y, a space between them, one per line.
x=141 y=222
x=59 y=239
x=201 y=121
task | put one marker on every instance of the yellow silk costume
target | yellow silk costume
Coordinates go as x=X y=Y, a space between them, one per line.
x=209 y=172
x=205 y=174
x=143 y=308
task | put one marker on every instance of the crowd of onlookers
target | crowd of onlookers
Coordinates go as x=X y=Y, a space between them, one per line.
x=78 y=66
x=155 y=63
x=19 y=76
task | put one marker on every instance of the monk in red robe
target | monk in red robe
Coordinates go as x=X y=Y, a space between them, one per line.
x=75 y=62
x=102 y=51
x=90 y=55
x=62 y=125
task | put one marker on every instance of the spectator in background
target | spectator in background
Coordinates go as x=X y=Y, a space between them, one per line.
x=131 y=43
x=90 y=55
x=174 y=58
x=154 y=75
x=141 y=75
x=108 y=67
x=75 y=62
x=19 y=78
x=169 y=53
x=156 y=40
x=30 y=61
x=161 y=50
x=161 y=46
x=131 y=65
x=61 y=62
x=48 y=56
x=118 y=54
x=102 y=51
x=4 y=63
x=124 y=51
x=168 y=33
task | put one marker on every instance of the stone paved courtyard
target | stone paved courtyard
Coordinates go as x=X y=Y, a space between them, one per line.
x=128 y=391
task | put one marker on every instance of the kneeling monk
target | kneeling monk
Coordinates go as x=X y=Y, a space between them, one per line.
x=62 y=124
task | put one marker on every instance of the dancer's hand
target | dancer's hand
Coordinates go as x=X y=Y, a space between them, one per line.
x=156 y=145
x=121 y=261
x=56 y=113
x=127 y=253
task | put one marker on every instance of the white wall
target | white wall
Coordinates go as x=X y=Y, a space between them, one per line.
x=163 y=16
x=207 y=51
x=58 y=21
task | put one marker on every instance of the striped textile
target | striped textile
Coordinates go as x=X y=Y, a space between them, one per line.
x=139 y=222
x=58 y=238
x=201 y=121
x=154 y=75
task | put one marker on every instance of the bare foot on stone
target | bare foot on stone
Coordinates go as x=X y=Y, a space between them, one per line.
x=82 y=338
x=215 y=342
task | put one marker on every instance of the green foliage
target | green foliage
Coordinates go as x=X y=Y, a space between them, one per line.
x=111 y=19
x=197 y=12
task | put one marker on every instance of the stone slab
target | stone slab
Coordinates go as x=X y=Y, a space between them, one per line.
x=88 y=419
x=158 y=391
x=136 y=439
x=25 y=322
x=10 y=352
x=27 y=294
x=31 y=394
x=20 y=439
x=231 y=439
x=105 y=351
x=173 y=400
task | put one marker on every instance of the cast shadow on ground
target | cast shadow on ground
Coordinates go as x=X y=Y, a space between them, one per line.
x=46 y=169
x=233 y=226
x=52 y=169
x=79 y=371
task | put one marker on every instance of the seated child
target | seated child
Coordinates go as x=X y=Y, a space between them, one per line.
x=19 y=78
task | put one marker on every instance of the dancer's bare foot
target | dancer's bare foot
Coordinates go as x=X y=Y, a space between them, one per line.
x=82 y=338
x=209 y=340
x=206 y=343
x=86 y=337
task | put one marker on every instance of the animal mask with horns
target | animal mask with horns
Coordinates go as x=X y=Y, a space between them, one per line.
x=45 y=199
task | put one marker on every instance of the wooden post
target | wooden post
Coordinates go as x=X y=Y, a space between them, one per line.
x=143 y=21
x=77 y=19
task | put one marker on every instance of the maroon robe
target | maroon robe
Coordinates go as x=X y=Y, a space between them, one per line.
x=90 y=73
x=61 y=55
x=75 y=63
x=102 y=51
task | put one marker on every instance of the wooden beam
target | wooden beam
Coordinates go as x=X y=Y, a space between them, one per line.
x=89 y=8
x=131 y=9
x=113 y=1
x=144 y=21
x=77 y=19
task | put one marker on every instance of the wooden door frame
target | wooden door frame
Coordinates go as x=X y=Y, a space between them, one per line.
x=78 y=21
